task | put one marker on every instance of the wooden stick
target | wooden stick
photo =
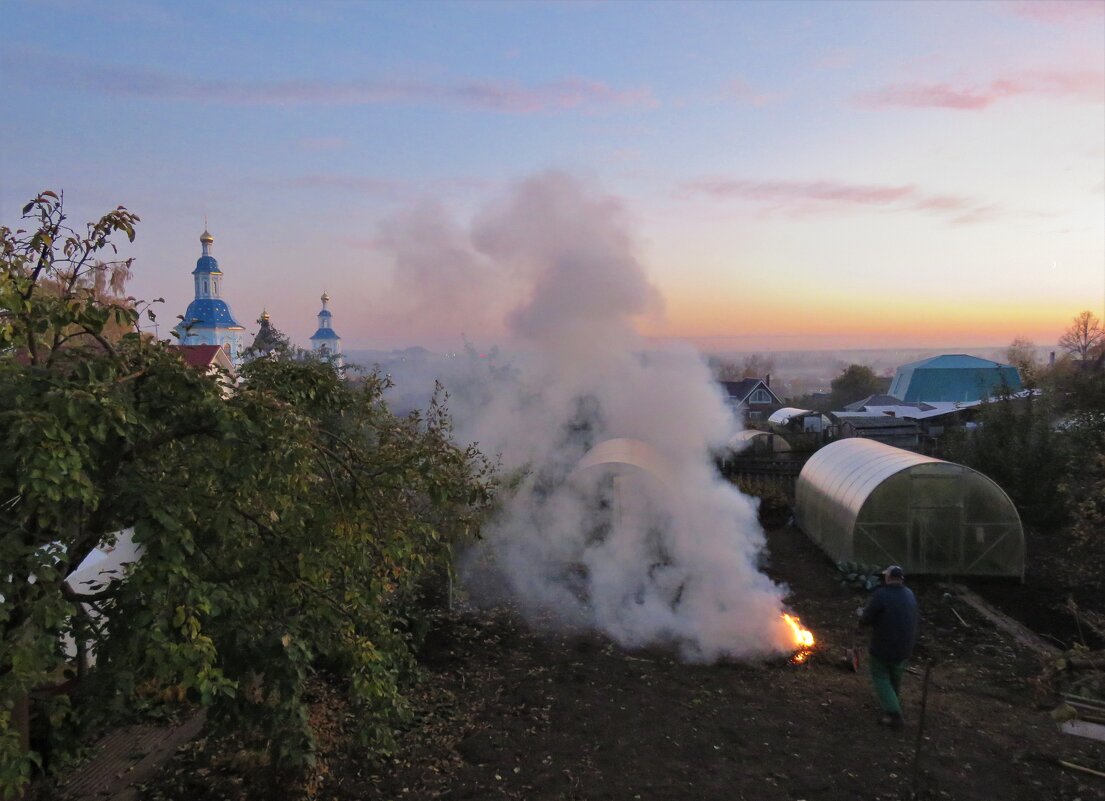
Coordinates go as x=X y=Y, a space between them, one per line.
x=921 y=730
x=966 y=625
x=1072 y=766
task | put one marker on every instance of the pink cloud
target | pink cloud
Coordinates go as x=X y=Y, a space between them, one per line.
x=510 y=97
x=1058 y=10
x=739 y=90
x=803 y=198
x=563 y=95
x=788 y=191
x=983 y=213
x=1087 y=86
x=365 y=185
x=932 y=95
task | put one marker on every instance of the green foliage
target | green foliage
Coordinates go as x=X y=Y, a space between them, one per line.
x=859 y=576
x=1083 y=488
x=855 y=383
x=1016 y=445
x=288 y=525
x=774 y=501
x=1021 y=353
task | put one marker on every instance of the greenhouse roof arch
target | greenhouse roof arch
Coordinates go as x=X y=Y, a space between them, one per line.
x=758 y=442
x=628 y=453
x=866 y=502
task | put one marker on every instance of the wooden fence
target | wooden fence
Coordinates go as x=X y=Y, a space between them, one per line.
x=765 y=471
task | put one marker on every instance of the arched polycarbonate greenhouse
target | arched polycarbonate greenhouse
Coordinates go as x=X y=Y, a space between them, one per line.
x=866 y=502
x=758 y=443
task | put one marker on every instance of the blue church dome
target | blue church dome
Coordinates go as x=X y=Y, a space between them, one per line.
x=206 y=264
x=325 y=333
x=209 y=312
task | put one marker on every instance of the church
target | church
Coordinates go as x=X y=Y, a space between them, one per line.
x=209 y=320
x=325 y=341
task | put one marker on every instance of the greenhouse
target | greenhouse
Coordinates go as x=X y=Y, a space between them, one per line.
x=866 y=502
x=758 y=443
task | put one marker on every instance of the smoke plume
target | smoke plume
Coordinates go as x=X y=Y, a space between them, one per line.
x=643 y=541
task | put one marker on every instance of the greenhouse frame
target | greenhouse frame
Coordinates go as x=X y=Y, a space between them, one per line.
x=865 y=502
x=752 y=442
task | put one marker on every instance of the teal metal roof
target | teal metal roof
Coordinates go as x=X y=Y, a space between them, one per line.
x=955 y=360
x=952 y=378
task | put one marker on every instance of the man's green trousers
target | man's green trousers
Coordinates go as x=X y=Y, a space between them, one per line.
x=887 y=678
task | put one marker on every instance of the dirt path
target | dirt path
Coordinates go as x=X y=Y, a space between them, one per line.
x=506 y=713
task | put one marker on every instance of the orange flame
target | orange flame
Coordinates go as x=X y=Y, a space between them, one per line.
x=803 y=639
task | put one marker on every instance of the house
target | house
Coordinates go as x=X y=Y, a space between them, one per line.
x=214 y=360
x=751 y=398
x=789 y=418
x=206 y=357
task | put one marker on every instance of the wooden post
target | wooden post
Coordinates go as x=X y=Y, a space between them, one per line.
x=920 y=731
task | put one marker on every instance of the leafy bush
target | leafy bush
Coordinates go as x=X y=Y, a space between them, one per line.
x=774 y=501
x=859 y=576
x=1016 y=444
x=287 y=525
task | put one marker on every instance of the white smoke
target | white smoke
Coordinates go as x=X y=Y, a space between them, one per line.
x=662 y=553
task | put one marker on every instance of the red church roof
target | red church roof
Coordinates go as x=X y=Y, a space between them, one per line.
x=198 y=355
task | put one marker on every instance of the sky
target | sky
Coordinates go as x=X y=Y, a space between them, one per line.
x=792 y=175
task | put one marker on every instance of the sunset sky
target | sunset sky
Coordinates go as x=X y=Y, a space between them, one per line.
x=796 y=175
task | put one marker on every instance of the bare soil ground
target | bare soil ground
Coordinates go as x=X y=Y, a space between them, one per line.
x=505 y=712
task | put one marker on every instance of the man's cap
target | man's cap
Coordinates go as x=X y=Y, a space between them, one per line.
x=894 y=571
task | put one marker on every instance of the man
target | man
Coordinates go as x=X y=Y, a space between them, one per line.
x=892 y=613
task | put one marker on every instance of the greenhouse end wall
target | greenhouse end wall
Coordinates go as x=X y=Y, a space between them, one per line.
x=866 y=502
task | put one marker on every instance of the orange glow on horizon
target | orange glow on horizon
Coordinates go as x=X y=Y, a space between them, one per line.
x=804 y=323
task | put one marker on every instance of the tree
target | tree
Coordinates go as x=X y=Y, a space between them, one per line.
x=289 y=528
x=1015 y=444
x=1021 y=353
x=1083 y=336
x=757 y=366
x=270 y=342
x=753 y=366
x=855 y=383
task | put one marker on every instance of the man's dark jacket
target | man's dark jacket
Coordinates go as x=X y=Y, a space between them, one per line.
x=892 y=612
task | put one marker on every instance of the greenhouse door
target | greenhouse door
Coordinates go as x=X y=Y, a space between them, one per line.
x=936 y=522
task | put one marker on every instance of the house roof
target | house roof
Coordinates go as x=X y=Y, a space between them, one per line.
x=198 y=355
x=739 y=391
x=880 y=421
x=953 y=377
x=954 y=361
x=203 y=356
x=787 y=413
x=882 y=400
